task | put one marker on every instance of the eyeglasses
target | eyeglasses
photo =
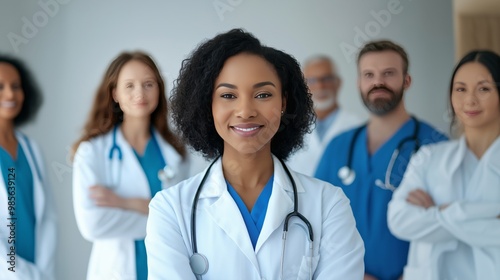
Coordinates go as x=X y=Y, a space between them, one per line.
x=325 y=79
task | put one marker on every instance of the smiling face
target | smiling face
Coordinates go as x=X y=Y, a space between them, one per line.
x=137 y=90
x=474 y=97
x=382 y=81
x=11 y=92
x=247 y=104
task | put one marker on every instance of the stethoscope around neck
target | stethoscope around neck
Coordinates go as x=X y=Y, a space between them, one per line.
x=164 y=174
x=347 y=175
x=199 y=262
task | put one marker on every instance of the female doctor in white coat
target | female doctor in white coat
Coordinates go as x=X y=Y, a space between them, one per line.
x=28 y=231
x=126 y=154
x=247 y=106
x=448 y=204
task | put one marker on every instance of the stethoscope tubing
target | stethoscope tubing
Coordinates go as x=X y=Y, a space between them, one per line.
x=294 y=213
x=387 y=183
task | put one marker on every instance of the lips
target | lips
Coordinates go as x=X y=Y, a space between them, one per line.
x=8 y=104
x=472 y=113
x=379 y=91
x=246 y=130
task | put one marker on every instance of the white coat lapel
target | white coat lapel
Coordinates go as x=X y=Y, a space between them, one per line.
x=492 y=156
x=131 y=168
x=488 y=170
x=457 y=156
x=280 y=204
x=225 y=213
x=38 y=192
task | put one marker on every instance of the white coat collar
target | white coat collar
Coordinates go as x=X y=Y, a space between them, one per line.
x=167 y=151
x=215 y=184
x=457 y=156
x=492 y=155
x=280 y=204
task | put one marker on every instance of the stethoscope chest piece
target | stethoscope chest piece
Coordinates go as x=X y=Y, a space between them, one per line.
x=166 y=173
x=198 y=263
x=347 y=175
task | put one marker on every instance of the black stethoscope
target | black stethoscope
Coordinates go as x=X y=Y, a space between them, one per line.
x=347 y=175
x=199 y=262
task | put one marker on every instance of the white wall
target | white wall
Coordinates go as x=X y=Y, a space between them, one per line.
x=70 y=52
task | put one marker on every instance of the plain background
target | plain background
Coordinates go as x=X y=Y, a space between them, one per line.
x=76 y=40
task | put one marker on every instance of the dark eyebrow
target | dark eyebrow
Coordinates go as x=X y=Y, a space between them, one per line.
x=226 y=85
x=257 y=85
x=484 y=82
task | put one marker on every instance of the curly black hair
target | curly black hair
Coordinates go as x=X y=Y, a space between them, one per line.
x=32 y=94
x=191 y=100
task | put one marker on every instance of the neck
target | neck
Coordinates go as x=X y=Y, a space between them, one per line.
x=247 y=172
x=382 y=128
x=321 y=115
x=7 y=130
x=136 y=130
x=480 y=139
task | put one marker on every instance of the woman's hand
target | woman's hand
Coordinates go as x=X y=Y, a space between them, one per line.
x=420 y=198
x=105 y=197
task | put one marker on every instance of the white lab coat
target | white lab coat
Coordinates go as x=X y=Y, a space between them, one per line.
x=223 y=238
x=471 y=218
x=306 y=160
x=112 y=230
x=45 y=228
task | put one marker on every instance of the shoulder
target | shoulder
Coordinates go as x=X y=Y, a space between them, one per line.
x=93 y=146
x=178 y=195
x=28 y=141
x=344 y=137
x=429 y=134
x=438 y=151
x=319 y=188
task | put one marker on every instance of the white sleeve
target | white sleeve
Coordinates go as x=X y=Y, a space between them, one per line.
x=341 y=246
x=95 y=222
x=410 y=222
x=474 y=223
x=165 y=246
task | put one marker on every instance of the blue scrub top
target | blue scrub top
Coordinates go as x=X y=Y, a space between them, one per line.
x=22 y=178
x=385 y=255
x=151 y=162
x=254 y=219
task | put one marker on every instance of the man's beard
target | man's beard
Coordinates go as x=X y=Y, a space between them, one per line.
x=324 y=104
x=383 y=106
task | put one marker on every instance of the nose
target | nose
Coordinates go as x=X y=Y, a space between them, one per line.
x=246 y=108
x=378 y=82
x=471 y=99
x=138 y=92
x=7 y=91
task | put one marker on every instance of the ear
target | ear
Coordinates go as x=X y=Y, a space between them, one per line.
x=407 y=81
x=113 y=95
x=283 y=104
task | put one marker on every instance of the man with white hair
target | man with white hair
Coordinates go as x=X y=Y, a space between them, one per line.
x=324 y=83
